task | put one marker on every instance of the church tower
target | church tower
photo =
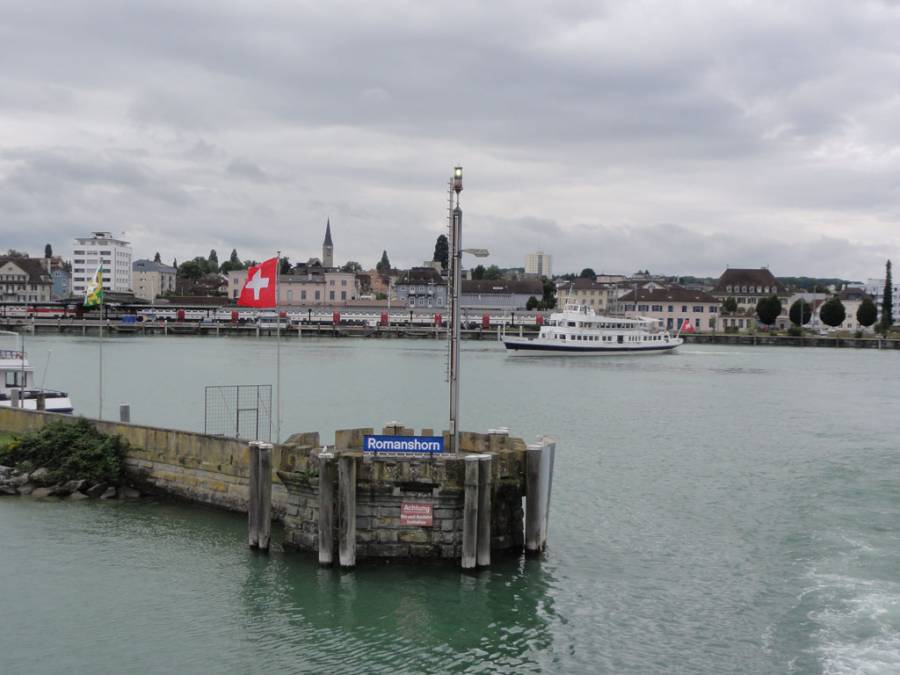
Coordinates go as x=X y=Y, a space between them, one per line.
x=327 y=247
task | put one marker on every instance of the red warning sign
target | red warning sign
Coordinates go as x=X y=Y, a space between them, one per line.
x=415 y=514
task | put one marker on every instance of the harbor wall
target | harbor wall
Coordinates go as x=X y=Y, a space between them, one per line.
x=196 y=467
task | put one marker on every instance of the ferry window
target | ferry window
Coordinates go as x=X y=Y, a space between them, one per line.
x=14 y=378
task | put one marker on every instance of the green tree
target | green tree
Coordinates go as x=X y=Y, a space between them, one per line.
x=768 y=310
x=478 y=272
x=352 y=266
x=867 y=314
x=887 y=302
x=832 y=312
x=192 y=270
x=48 y=251
x=442 y=251
x=548 y=300
x=284 y=265
x=532 y=303
x=730 y=306
x=797 y=318
x=587 y=273
x=13 y=253
x=175 y=263
x=213 y=259
x=157 y=258
x=384 y=265
x=493 y=273
x=234 y=259
x=233 y=263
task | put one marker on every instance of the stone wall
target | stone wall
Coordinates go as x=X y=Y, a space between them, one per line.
x=384 y=483
x=197 y=467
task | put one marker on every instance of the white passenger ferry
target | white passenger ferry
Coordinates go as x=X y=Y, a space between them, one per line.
x=17 y=380
x=577 y=330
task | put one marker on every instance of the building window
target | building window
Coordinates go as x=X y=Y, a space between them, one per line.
x=303 y=295
x=698 y=309
x=331 y=295
x=343 y=295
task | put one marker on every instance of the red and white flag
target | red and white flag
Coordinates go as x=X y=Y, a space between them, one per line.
x=686 y=327
x=259 y=287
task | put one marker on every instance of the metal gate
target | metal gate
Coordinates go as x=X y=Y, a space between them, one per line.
x=238 y=411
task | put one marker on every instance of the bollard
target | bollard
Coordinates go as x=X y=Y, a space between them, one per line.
x=326 y=509
x=125 y=413
x=470 y=514
x=547 y=478
x=533 y=519
x=265 y=493
x=484 y=511
x=347 y=511
x=14 y=399
x=253 y=501
x=40 y=402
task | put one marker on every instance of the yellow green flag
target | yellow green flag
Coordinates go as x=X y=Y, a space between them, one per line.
x=93 y=294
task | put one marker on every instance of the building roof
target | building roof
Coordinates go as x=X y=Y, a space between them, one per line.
x=582 y=284
x=503 y=287
x=35 y=268
x=421 y=275
x=736 y=276
x=673 y=293
x=151 y=266
x=327 y=241
x=852 y=294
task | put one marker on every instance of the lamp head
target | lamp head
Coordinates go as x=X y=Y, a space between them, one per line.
x=457 y=179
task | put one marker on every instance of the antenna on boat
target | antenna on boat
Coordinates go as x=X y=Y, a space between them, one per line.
x=46 y=368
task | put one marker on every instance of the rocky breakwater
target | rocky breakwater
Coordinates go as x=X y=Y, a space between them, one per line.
x=42 y=483
x=69 y=460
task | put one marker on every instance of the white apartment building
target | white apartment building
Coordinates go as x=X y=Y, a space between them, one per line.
x=539 y=264
x=101 y=248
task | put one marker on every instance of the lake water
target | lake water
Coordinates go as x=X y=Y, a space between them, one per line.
x=719 y=509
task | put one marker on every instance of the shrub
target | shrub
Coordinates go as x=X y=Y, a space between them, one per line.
x=69 y=450
x=795 y=331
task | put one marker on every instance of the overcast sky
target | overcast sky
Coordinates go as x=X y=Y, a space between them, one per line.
x=678 y=136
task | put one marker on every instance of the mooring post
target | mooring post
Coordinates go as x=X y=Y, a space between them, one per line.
x=533 y=511
x=253 y=500
x=326 y=509
x=549 y=460
x=265 y=495
x=484 y=510
x=470 y=514
x=124 y=413
x=347 y=511
x=40 y=402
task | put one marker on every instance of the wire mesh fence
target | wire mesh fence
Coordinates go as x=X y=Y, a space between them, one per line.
x=239 y=411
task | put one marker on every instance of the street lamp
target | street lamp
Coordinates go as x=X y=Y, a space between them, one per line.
x=456 y=251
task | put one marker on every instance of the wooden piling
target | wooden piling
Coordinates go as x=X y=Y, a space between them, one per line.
x=125 y=413
x=253 y=500
x=533 y=511
x=484 y=511
x=347 y=511
x=326 y=509
x=470 y=514
x=265 y=493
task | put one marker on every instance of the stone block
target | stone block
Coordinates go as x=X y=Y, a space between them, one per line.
x=424 y=551
x=386 y=536
x=418 y=536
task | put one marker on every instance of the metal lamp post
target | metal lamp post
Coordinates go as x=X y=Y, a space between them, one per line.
x=456 y=251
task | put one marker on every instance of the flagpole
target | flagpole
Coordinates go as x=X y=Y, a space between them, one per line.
x=100 y=345
x=277 y=352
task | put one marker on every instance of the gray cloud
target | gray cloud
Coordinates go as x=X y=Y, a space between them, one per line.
x=763 y=132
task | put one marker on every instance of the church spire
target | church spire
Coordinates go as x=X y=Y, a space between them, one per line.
x=328 y=247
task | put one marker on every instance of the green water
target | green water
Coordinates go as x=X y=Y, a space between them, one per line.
x=714 y=510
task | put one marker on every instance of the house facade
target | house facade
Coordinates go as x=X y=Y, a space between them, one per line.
x=152 y=279
x=421 y=287
x=672 y=306
x=25 y=279
x=308 y=289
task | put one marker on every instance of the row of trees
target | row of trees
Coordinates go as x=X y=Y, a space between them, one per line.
x=832 y=313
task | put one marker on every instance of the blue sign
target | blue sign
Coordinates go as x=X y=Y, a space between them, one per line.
x=404 y=445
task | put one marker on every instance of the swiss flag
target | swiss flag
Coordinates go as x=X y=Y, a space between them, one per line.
x=259 y=287
x=686 y=327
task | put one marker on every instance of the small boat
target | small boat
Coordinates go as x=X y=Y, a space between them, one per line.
x=17 y=380
x=578 y=331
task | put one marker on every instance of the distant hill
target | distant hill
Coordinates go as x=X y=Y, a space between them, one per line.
x=811 y=283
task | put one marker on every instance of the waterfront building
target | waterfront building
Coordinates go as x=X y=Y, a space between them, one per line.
x=315 y=287
x=851 y=298
x=25 y=279
x=328 y=247
x=748 y=287
x=672 y=306
x=61 y=277
x=539 y=264
x=499 y=294
x=152 y=279
x=114 y=254
x=421 y=287
x=599 y=296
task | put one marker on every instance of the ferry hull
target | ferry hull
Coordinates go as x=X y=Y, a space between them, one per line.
x=531 y=347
